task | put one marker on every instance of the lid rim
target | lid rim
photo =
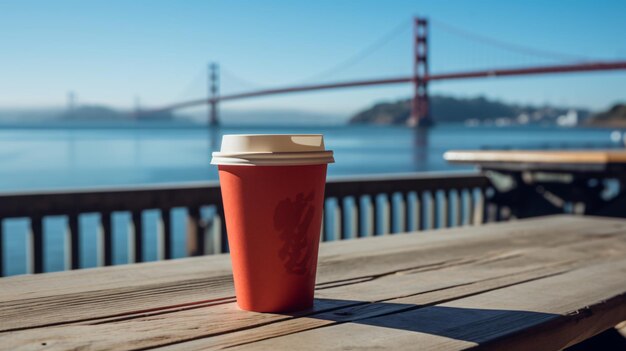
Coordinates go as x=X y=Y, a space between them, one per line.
x=270 y=153
x=272 y=149
x=273 y=162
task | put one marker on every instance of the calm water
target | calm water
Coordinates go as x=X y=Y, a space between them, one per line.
x=70 y=158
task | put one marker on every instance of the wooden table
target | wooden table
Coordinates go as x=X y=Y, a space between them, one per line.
x=532 y=183
x=536 y=284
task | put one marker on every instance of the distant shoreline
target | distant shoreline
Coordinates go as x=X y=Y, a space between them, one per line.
x=100 y=125
x=117 y=125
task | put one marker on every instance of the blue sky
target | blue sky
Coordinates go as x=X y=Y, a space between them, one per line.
x=110 y=51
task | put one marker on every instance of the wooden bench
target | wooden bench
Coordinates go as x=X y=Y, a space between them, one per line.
x=535 y=284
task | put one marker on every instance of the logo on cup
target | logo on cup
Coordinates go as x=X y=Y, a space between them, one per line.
x=293 y=218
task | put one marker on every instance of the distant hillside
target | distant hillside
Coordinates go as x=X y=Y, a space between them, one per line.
x=446 y=109
x=277 y=117
x=103 y=113
x=86 y=115
x=614 y=117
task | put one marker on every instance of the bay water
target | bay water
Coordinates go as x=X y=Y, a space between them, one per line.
x=34 y=159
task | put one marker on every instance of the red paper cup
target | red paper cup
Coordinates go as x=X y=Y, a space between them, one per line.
x=273 y=202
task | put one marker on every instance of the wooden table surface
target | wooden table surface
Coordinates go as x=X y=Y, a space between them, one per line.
x=538 y=156
x=605 y=161
x=527 y=285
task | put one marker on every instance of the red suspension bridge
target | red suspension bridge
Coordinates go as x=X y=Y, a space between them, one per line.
x=421 y=77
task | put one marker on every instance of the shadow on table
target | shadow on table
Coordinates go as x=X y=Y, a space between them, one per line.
x=467 y=324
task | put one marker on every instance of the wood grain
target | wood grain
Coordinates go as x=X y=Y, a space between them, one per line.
x=188 y=304
x=29 y=301
x=570 y=307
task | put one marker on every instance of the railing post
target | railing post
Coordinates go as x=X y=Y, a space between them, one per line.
x=368 y=217
x=479 y=209
x=491 y=209
x=375 y=219
x=357 y=217
x=1 y=247
x=404 y=214
x=386 y=219
x=430 y=210
x=326 y=222
x=106 y=222
x=409 y=223
x=442 y=209
x=37 y=250
x=349 y=216
x=454 y=197
x=138 y=236
x=417 y=212
x=74 y=241
x=166 y=232
x=221 y=240
x=468 y=207
x=347 y=219
x=340 y=220
x=396 y=213
x=353 y=215
x=195 y=232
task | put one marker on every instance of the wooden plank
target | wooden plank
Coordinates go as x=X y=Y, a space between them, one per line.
x=36 y=254
x=563 y=228
x=363 y=309
x=74 y=240
x=380 y=287
x=339 y=262
x=166 y=234
x=366 y=310
x=484 y=272
x=137 y=252
x=546 y=314
x=106 y=224
x=533 y=156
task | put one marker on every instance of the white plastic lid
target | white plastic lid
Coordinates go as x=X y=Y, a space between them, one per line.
x=272 y=150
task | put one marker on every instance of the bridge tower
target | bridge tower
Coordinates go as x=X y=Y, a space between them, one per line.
x=420 y=110
x=213 y=93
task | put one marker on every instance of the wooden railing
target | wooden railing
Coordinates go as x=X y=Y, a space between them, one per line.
x=355 y=207
x=382 y=205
